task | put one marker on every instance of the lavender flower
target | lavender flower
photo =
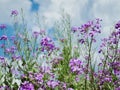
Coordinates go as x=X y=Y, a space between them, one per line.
x=39 y=77
x=2 y=26
x=52 y=84
x=5 y=88
x=2 y=58
x=74 y=29
x=14 y=13
x=118 y=88
x=64 y=85
x=70 y=89
x=42 y=32
x=88 y=30
x=116 y=68
x=81 y=41
x=27 y=86
x=12 y=38
x=16 y=57
x=36 y=34
x=76 y=66
x=3 y=37
x=104 y=76
x=2 y=61
x=45 y=69
x=10 y=50
x=56 y=60
x=47 y=44
x=117 y=25
x=14 y=71
x=77 y=79
x=7 y=50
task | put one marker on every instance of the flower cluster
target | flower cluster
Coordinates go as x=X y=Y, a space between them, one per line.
x=11 y=50
x=111 y=42
x=47 y=44
x=90 y=29
x=117 y=25
x=2 y=26
x=27 y=65
x=76 y=66
x=3 y=37
x=39 y=77
x=56 y=60
x=104 y=76
x=26 y=86
x=116 y=68
x=52 y=84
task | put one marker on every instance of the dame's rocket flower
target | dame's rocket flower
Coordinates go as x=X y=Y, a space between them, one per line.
x=117 y=25
x=2 y=26
x=47 y=44
x=14 y=13
x=3 y=37
x=76 y=66
x=27 y=86
x=52 y=84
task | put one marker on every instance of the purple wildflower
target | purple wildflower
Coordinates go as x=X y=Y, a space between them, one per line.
x=47 y=44
x=81 y=41
x=3 y=37
x=100 y=51
x=116 y=68
x=14 y=71
x=76 y=66
x=2 y=58
x=2 y=26
x=117 y=25
x=14 y=13
x=64 y=85
x=10 y=50
x=42 y=32
x=45 y=69
x=74 y=29
x=12 y=38
x=90 y=29
x=4 y=88
x=27 y=86
x=56 y=60
x=52 y=84
x=36 y=34
x=2 y=61
x=77 y=79
x=104 y=76
x=70 y=89
x=15 y=57
x=39 y=77
x=118 y=88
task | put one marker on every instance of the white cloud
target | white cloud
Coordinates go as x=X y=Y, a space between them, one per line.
x=108 y=10
x=51 y=9
x=79 y=10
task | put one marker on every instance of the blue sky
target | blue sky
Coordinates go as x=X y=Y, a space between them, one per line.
x=35 y=6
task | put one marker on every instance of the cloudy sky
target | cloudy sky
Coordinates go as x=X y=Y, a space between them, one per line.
x=79 y=10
